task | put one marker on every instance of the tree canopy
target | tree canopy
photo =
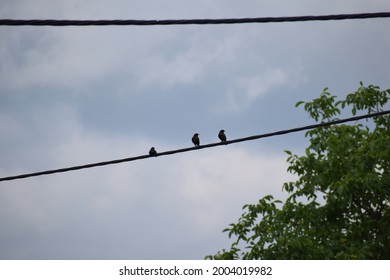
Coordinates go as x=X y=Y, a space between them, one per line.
x=339 y=207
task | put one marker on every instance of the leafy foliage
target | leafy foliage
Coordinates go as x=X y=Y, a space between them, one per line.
x=339 y=207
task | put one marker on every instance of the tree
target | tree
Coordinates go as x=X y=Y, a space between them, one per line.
x=339 y=207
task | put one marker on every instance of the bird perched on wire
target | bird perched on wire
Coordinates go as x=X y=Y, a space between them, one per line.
x=222 y=136
x=195 y=139
x=152 y=151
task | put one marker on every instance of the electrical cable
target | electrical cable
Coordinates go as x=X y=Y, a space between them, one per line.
x=52 y=22
x=254 y=137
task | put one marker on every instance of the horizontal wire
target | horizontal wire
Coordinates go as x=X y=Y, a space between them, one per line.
x=254 y=137
x=52 y=22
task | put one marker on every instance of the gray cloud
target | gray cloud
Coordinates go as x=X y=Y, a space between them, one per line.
x=72 y=95
x=173 y=200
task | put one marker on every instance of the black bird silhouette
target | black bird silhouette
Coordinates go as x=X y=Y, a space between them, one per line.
x=195 y=140
x=222 y=136
x=152 y=151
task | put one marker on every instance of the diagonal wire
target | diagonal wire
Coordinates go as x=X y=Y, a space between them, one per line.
x=250 y=138
x=53 y=22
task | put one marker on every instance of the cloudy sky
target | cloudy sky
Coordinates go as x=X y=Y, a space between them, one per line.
x=77 y=95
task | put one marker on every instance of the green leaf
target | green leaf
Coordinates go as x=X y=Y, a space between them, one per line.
x=337 y=206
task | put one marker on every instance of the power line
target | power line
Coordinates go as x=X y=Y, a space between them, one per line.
x=52 y=22
x=254 y=137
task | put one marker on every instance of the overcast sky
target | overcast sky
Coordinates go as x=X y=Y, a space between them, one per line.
x=77 y=95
